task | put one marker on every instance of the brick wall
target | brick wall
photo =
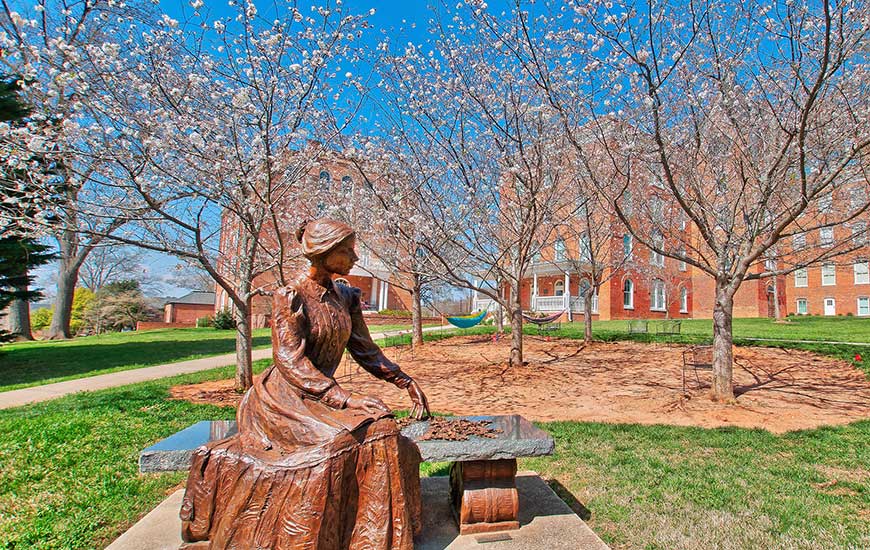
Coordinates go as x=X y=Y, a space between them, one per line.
x=845 y=292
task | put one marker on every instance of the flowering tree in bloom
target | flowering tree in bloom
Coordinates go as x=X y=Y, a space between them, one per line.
x=483 y=145
x=55 y=49
x=209 y=127
x=748 y=116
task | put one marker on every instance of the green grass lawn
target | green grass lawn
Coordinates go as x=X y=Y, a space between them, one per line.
x=28 y=364
x=836 y=329
x=68 y=476
x=34 y=363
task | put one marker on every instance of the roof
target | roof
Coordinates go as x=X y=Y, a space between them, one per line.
x=199 y=297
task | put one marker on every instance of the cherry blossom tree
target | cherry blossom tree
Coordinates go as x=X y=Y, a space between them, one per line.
x=748 y=116
x=212 y=127
x=483 y=144
x=55 y=48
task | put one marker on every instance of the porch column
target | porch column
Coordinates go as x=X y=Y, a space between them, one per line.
x=568 y=294
x=374 y=298
x=534 y=290
x=385 y=292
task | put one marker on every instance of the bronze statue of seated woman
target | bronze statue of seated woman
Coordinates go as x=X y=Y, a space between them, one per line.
x=313 y=466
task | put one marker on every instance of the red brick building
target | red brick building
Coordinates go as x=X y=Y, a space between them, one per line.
x=187 y=309
x=338 y=181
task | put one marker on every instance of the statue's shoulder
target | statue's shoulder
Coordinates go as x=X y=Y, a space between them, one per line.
x=345 y=290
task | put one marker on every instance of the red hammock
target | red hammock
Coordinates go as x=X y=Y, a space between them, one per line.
x=543 y=320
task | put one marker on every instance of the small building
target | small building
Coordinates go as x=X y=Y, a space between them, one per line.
x=187 y=309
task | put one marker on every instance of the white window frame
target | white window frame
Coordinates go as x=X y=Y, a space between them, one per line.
x=859 y=233
x=826 y=203
x=798 y=306
x=799 y=241
x=861 y=269
x=654 y=305
x=557 y=289
x=627 y=246
x=829 y=271
x=560 y=250
x=826 y=236
x=630 y=304
x=684 y=300
x=858 y=306
x=801 y=278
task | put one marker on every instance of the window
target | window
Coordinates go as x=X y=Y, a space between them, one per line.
x=826 y=236
x=829 y=275
x=657 y=209
x=859 y=233
x=559 y=249
x=862 y=272
x=627 y=246
x=627 y=203
x=324 y=177
x=655 y=258
x=559 y=288
x=800 y=277
x=799 y=241
x=770 y=264
x=684 y=300
x=863 y=306
x=585 y=249
x=684 y=221
x=825 y=203
x=857 y=198
x=682 y=252
x=628 y=294
x=658 y=296
x=801 y=306
x=347 y=185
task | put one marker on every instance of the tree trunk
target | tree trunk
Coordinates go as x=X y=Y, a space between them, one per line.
x=67 y=278
x=516 y=358
x=587 y=314
x=19 y=317
x=723 y=353
x=244 y=361
x=416 y=315
x=777 y=311
x=499 y=319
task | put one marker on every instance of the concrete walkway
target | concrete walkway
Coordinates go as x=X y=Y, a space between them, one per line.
x=17 y=398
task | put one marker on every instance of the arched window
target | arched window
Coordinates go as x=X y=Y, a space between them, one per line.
x=347 y=185
x=559 y=288
x=559 y=249
x=684 y=300
x=657 y=302
x=628 y=294
x=627 y=246
x=324 y=178
x=342 y=281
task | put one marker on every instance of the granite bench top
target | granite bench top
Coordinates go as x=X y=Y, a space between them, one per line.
x=518 y=438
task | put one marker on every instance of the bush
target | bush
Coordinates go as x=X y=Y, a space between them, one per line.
x=41 y=318
x=204 y=322
x=224 y=320
x=394 y=313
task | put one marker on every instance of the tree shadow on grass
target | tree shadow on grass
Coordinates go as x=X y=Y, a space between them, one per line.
x=33 y=364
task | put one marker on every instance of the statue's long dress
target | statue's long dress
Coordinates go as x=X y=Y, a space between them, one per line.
x=304 y=472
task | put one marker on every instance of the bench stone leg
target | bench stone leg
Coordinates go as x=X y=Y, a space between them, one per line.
x=484 y=495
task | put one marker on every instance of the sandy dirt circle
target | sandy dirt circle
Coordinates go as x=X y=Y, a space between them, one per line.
x=620 y=382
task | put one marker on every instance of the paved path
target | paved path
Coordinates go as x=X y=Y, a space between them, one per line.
x=35 y=394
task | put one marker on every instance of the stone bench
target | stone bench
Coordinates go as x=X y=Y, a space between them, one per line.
x=482 y=473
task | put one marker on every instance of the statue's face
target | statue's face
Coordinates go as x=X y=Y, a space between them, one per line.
x=341 y=258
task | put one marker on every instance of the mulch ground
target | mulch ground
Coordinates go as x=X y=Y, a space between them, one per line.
x=620 y=382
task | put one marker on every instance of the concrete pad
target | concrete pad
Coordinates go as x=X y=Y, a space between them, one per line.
x=160 y=529
x=546 y=523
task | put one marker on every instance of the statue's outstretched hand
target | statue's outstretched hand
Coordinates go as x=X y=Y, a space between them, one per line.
x=420 y=411
x=369 y=404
